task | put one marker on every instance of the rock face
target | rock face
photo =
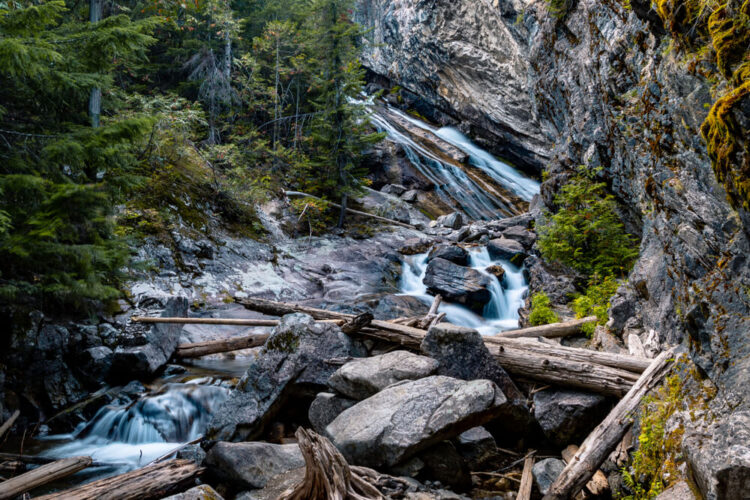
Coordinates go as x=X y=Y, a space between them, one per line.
x=545 y=472
x=465 y=59
x=361 y=378
x=143 y=361
x=325 y=408
x=568 y=416
x=252 y=465
x=292 y=362
x=409 y=417
x=457 y=283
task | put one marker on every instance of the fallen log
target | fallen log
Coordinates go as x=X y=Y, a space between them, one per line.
x=151 y=482
x=42 y=475
x=198 y=349
x=27 y=459
x=351 y=210
x=327 y=474
x=599 y=484
x=602 y=440
x=553 y=330
x=218 y=321
x=9 y=423
x=527 y=479
x=356 y=323
x=425 y=322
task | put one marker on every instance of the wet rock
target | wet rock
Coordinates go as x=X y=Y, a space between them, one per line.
x=521 y=235
x=453 y=253
x=293 y=362
x=461 y=353
x=545 y=472
x=568 y=416
x=413 y=246
x=409 y=417
x=678 y=491
x=453 y=221
x=443 y=463
x=325 y=408
x=361 y=378
x=558 y=287
x=96 y=362
x=394 y=189
x=251 y=465
x=275 y=486
x=192 y=452
x=410 y=196
x=201 y=492
x=457 y=283
x=503 y=248
x=461 y=234
x=497 y=271
x=476 y=446
x=145 y=360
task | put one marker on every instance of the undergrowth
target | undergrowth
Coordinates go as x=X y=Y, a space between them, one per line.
x=541 y=313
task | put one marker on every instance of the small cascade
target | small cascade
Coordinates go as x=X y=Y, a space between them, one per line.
x=130 y=435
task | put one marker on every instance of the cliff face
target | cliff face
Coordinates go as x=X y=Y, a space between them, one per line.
x=602 y=88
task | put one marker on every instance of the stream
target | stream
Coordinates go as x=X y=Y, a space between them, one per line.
x=131 y=432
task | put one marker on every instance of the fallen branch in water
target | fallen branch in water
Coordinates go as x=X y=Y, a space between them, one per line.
x=42 y=475
x=9 y=423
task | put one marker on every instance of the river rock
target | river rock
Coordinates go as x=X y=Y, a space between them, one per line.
x=497 y=271
x=293 y=362
x=361 y=378
x=504 y=248
x=443 y=463
x=325 y=408
x=409 y=417
x=678 y=491
x=96 y=362
x=394 y=189
x=521 y=235
x=476 y=446
x=251 y=465
x=410 y=196
x=413 y=246
x=461 y=353
x=453 y=221
x=545 y=472
x=567 y=416
x=457 y=283
x=453 y=253
x=143 y=361
x=200 y=492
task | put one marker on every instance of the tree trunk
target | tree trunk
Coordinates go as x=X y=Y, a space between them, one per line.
x=151 y=482
x=42 y=475
x=95 y=98
x=550 y=331
x=602 y=440
x=342 y=212
x=187 y=351
x=9 y=423
x=527 y=480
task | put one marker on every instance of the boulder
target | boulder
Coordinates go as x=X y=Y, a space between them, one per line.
x=461 y=354
x=678 y=491
x=192 y=452
x=458 y=283
x=251 y=465
x=143 y=361
x=325 y=408
x=568 y=416
x=521 y=235
x=497 y=271
x=361 y=378
x=413 y=246
x=201 y=492
x=293 y=362
x=96 y=362
x=410 y=417
x=394 y=189
x=476 y=446
x=545 y=472
x=443 y=463
x=503 y=248
x=410 y=196
x=453 y=253
x=453 y=221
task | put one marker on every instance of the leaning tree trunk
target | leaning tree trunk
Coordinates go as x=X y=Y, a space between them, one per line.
x=95 y=98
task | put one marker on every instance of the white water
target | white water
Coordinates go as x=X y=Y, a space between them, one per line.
x=128 y=436
x=501 y=313
x=452 y=184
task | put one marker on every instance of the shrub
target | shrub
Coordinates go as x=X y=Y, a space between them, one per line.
x=595 y=302
x=559 y=8
x=541 y=313
x=586 y=233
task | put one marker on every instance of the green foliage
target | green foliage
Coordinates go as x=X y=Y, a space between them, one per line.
x=595 y=301
x=313 y=212
x=559 y=8
x=541 y=313
x=586 y=233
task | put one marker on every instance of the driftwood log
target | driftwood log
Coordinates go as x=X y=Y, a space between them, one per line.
x=602 y=440
x=599 y=484
x=564 y=329
x=351 y=210
x=42 y=475
x=151 y=482
x=217 y=321
x=431 y=315
x=327 y=474
x=527 y=479
x=9 y=423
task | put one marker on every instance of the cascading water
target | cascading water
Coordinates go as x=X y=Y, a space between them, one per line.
x=500 y=313
x=126 y=436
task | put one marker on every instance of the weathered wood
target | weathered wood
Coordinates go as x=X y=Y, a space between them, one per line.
x=327 y=474
x=429 y=318
x=9 y=423
x=357 y=323
x=553 y=330
x=27 y=459
x=602 y=440
x=175 y=450
x=598 y=484
x=151 y=482
x=635 y=346
x=198 y=349
x=352 y=211
x=42 y=475
x=527 y=480
x=218 y=321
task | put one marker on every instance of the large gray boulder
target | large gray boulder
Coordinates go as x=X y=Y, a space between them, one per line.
x=143 y=361
x=521 y=235
x=293 y=362
x=409 y=417
x=361 y=378
x=504 y=248
x=545 y=472
x=251 y=465
x=454 y=220
x=476 y=446
x=458 y=283
x=453 y=253
x=568 y=416
x=325 y=408
x=678 y=491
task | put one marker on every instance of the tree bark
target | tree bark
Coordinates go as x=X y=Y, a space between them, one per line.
x=151 y=482
x=550 y=331
x=42 y=475
x=95 y=98
x=198 y=349
x=527 y=480
x=9 y=423
x=599 y=484
x=219 y=321
x=602 y=440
